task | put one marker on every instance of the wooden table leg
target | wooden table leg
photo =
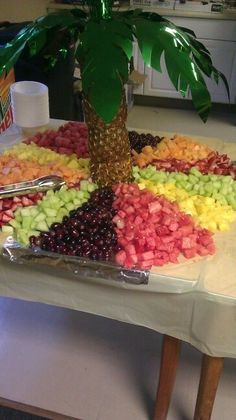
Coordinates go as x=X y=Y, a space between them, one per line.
x=210 y=376
x=168 y=367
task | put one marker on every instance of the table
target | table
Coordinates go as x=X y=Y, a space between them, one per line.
x=192 y=302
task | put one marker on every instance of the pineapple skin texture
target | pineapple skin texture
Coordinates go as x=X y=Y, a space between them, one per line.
x=109 y=148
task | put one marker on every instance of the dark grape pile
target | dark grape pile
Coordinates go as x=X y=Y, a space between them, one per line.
x=88 y=231
x=138 y=141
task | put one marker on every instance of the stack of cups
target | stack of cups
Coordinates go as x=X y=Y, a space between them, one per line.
x=30 y=105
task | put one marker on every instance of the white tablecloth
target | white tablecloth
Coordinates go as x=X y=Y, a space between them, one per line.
x=193 y=301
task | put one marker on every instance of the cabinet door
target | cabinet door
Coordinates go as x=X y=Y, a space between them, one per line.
x=223 y=55
x=159 y=84
x=139 y=66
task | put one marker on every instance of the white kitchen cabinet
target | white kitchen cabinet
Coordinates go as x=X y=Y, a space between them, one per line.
x=139 y=66
x=223 y=55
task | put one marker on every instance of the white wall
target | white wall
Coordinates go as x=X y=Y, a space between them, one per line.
x=21 y=10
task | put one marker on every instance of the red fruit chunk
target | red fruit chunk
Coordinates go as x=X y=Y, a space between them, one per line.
x=154 y=231
x=9 y=205
x=147 y=256
x=214 y=163
x=120 y=257
x=68 y=139
x=6 y=218
x=190 y=253
x=154 y=207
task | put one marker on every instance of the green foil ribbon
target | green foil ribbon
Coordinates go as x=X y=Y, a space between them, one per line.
x=100 y=9
x=105 y=47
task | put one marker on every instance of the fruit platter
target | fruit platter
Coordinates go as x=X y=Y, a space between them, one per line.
x=181 y=198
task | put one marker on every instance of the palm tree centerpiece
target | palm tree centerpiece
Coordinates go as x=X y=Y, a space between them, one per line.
x=104 y=50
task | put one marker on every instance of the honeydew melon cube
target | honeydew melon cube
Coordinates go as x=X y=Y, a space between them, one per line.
x=66 y=197
x=183 y=184
x=178 y=176
x=73 y=164
x=86 y=195
x=156 y=178
x=80 y=194
x=91 y=187
x=77 y=202
x=15 y=224
x=7 y=229
x=18 y=217
x=55 y=203
x=23 y=236
x=69 y=206
x=223 y=201
x=193 y=179
x=52 y=203
x=135 y=169
x=27 y=222
x=50 y=212
x=231 y=200
x=196 y=187
x=73 y=193
x=33 y=233
x=49 y=193
x=62 y=189
x=205 y=178
x=40 y=217
x=227 y=179
x=214 y=177
x=50 y=220
x=61 y=213
x=209 y=187
x=217 y=185
x=42 y=226
x=136 y=176
x=33 y=224
x=26 y=211
x=84 y=185
x=224 y=189
x=57 y=219
x=195 y=172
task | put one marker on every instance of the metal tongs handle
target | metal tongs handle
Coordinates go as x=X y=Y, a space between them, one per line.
x=44 y=183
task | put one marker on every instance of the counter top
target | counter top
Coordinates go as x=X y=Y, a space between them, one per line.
x=180 y=11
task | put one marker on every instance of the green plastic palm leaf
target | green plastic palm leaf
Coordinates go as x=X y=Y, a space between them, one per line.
x=35 y=35
x=186 y=59
x=104 y=52
x=105 y=48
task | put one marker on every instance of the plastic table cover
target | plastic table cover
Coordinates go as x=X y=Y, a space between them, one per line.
x=194 y=301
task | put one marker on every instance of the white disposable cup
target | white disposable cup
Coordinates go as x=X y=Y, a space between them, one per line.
x=30 y=104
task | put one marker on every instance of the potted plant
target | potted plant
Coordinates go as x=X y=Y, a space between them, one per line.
x=104 y=49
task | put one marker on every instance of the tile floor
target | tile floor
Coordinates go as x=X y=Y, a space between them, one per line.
x=93 y=368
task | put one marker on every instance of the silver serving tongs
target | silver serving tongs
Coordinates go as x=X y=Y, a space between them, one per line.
x=45 y=183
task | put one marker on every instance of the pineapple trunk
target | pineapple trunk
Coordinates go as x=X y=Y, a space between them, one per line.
x=109 y=148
